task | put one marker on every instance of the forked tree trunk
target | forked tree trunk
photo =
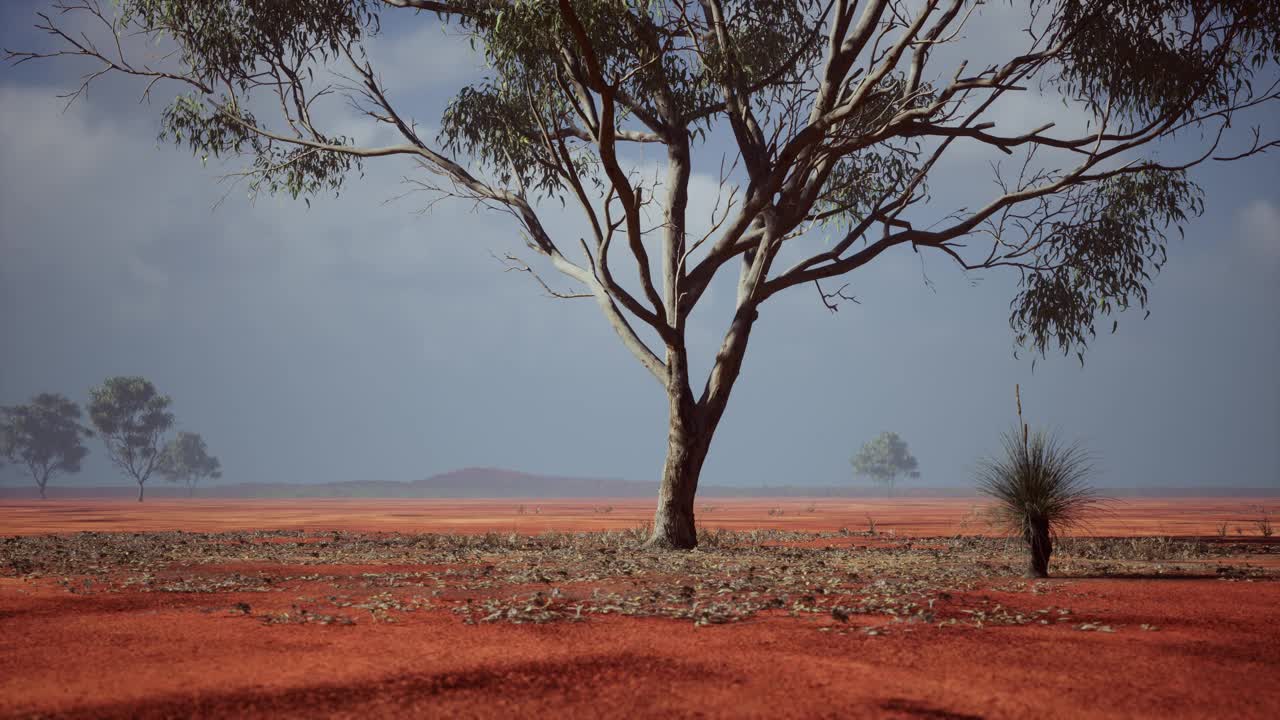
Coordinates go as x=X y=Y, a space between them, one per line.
x=691 y=425
x=42 y=495
x=1039 y=548
x=140 y=488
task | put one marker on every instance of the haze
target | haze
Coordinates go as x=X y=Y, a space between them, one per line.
x=361 y=340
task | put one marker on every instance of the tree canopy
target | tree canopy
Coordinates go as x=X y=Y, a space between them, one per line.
x=131 y=417
x=884 y=459
x=186 y=459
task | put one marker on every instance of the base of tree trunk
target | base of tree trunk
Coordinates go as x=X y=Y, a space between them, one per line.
x=673 y=527
x=672 y=541
x=1039 y=549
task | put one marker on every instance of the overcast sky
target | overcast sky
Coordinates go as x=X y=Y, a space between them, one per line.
x=360 y=339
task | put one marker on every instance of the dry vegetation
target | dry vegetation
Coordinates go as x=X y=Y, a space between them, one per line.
x=343 y=578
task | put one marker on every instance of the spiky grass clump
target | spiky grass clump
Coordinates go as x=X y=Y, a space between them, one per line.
x=1041 y=488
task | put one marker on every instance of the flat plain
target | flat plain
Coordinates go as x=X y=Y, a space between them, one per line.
x=519 y=608
x=903 y=515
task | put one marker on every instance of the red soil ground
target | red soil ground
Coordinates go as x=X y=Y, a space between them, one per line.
x=905 y=516
x=142 y=656
x=1212 y=650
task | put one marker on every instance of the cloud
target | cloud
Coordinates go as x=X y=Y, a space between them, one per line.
x=1259 y=227
x=428 y=57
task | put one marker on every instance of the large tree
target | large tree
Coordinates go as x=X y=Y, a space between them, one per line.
x=186 y=459
x=884 y=459
x=45 y=436
x=132 y=418
x=826 y=118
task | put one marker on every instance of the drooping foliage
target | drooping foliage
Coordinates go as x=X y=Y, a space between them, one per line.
x=228 y=49
x=1165 y=60
x=1100 y=257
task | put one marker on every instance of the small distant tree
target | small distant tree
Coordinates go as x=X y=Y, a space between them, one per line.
x=44 y=435
x=132 y=418
x=186 y=459
x=884 y=459
x=5 y=443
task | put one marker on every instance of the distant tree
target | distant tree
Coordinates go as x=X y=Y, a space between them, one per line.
x=44 y=435
x=884 y=459
x=186 y=459
x=828 y=124
x=132 y=419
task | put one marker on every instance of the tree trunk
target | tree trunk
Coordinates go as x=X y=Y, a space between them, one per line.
x=140 y=487
x=1039 y=548
x=673 y=523
x=42 y=495
x=691 y=425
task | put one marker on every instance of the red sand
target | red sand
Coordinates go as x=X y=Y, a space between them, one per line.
x=1216 y=652
x=143 y=655
x=907 y=516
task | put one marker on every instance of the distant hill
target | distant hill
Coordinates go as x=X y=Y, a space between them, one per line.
x=478 y=483
x=499 y=483
x=465 y=483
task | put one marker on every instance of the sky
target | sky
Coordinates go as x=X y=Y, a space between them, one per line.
x=371 y=338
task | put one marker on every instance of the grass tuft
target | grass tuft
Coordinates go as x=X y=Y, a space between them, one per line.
x=1041 y=488
x=1039 y=480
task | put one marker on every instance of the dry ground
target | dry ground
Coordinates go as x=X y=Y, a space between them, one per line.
x=761 y=623
x=908 y=516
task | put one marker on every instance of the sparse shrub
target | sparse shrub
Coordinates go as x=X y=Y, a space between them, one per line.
x=520 y=510
x=1145 y=549
x=871 y=525
x=1263 y=523
x=811 y=508
x=1222 y=529
x=1041 y=488
x=776 y=512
